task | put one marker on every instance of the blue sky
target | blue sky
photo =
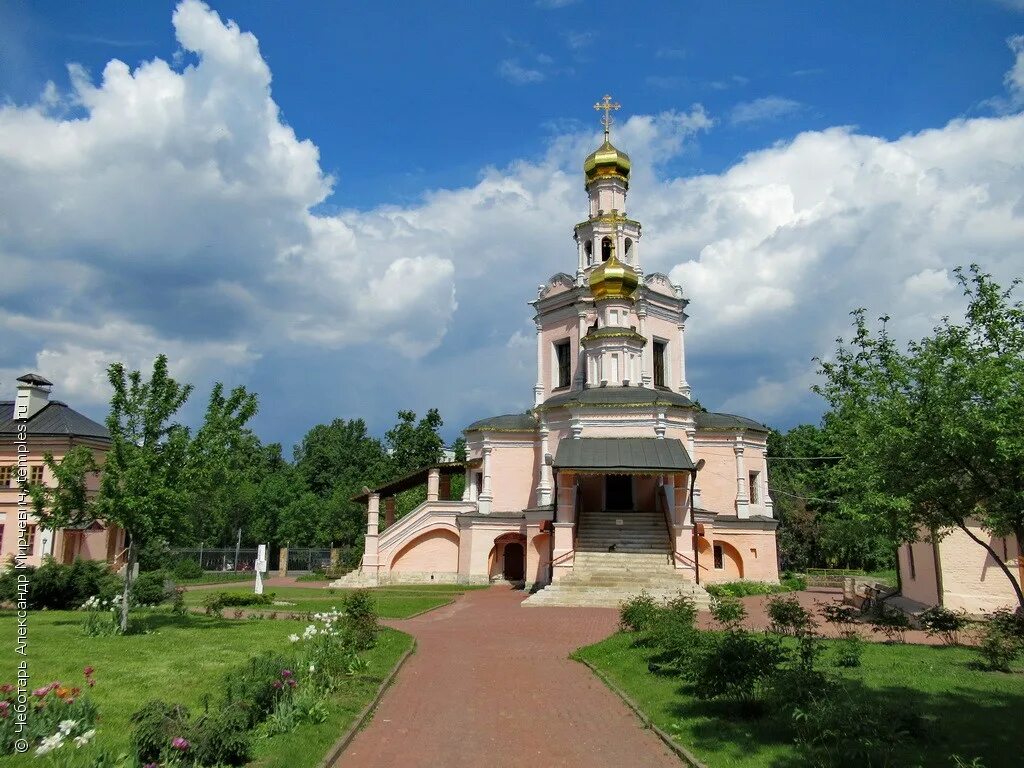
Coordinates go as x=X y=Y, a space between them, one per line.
x=794 y=160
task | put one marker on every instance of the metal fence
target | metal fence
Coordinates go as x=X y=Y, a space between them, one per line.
x=219 y=558
x=306 y=559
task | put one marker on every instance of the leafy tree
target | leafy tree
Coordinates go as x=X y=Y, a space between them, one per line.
x=459 y=448
x=220 y=459
x=413 y=444
x=140 y=488
x=934 y=436
x=67 y=503
x=340 y=454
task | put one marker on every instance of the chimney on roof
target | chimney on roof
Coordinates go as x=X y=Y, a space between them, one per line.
x=33 y=395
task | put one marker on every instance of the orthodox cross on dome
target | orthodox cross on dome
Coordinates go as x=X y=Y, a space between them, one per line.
x=607 y=106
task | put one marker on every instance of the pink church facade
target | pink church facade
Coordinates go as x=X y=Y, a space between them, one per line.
x=613 y=460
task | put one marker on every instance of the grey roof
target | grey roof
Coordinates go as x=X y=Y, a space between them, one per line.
x=56 y=418
x=509 y=422
x=35 y=378
x=723 y=421
x=617 y=396
x=622 y=454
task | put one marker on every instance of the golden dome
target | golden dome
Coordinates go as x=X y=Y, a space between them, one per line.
x=606 y=160
x=613 y=280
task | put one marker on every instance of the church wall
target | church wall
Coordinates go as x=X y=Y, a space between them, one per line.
x=751 y=555
x=717 y=481
x=514 y=474
x=556 y=330
x=920 y=583
x=971 y=578
x=663 y=330
x=433 y=552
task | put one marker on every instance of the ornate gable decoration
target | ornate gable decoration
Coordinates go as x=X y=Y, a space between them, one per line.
x=658 y=281
x=556 y=284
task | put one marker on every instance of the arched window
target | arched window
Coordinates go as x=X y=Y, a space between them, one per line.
x=628 y=249
x=606 y=248
x=588 y=248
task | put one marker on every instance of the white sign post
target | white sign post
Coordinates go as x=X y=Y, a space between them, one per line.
x=261 y=566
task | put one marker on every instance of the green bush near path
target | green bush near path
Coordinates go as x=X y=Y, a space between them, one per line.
x=183 y=659
x=396 y=602
x=967 y=711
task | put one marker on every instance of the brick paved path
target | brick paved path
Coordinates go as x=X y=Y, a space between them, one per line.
x=491 y=685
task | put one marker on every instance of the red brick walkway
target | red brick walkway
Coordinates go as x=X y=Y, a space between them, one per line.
x=491 y=685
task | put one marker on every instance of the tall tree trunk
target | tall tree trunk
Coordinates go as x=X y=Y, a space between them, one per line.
x=999 y=561
x=126 y=594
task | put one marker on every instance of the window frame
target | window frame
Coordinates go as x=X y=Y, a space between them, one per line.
x=35 y=474
x=754 y=486
x=718 y=556
x=563 y=366
x=7 y=474
x=659 y=349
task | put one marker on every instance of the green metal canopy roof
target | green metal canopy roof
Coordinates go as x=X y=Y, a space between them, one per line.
x=623 y=454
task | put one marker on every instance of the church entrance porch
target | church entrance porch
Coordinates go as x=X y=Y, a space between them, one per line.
x=618 y=492
x=513 y=570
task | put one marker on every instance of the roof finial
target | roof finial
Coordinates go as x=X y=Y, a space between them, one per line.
x=607 y=106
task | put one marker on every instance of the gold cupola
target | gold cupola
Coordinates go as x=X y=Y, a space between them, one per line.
x=606 y=161
x=613 y=280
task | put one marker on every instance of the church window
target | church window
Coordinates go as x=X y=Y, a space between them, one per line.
x=719 y=557
x=35 y=476
x=613 y=317
x=659 y=363
x=754 y=495
x=30 y=538
x=614 y=370
x=628 y=249
x=564 y=364
x=910 y=561
x=6 y=476
x=588 y=248
x=606 y=248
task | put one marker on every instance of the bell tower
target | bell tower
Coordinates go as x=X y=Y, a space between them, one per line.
x=607 y=229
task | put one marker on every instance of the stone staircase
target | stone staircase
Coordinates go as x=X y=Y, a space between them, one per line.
x=618 y=555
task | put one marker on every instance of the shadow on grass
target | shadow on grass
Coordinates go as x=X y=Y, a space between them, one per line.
x=925 y=728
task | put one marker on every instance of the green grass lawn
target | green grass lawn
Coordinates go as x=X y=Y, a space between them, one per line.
x=973 y=713
x=182 y=661
x=396 y=602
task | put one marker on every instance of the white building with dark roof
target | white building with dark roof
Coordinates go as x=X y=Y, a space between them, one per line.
x=31 y=426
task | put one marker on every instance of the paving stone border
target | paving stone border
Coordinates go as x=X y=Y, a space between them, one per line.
x=681 y=752
x=339 y=747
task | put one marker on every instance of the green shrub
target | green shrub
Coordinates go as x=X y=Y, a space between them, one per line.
x=673 y=633
x=944 y=623
x=154 y=725
x=360 y=611
x=735 y=666
x=728 y=611
x=150 y=588
x=834 y=730
x=891 y=622
x=221 y=737
x=744 y=588
x=848 y=650
x=59 y=587
x=186 y=568
x=998 y=648
x=844 y=617
x=255 y=686
x=789 y=617
x=637 y=613
x=216 y=602
x=791 y=582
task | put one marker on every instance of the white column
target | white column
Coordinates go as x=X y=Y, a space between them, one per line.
x=538 y=389
x=545 y=486
x=742 y=501
x=467 y=484
x=645 y=376
x=581 y=322
x=659 y=425
x=684 y=386
x=371 y=553
x=486 y=497
x=769 y=506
